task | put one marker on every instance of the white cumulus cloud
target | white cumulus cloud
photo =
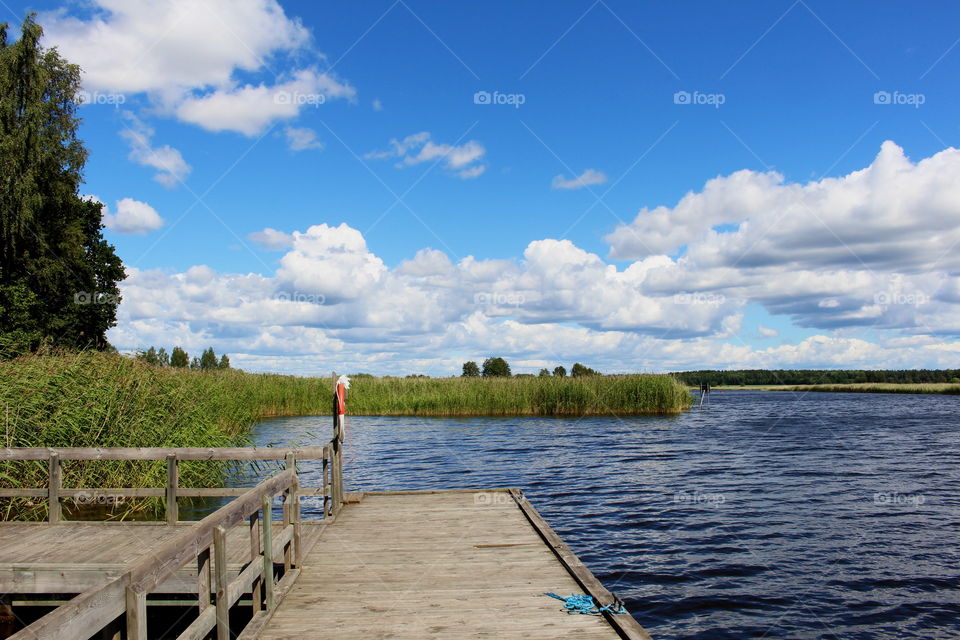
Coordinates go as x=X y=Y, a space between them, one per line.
x=332 y=262
x=302 y=138
x=132 y=217
x=168 y=162
x=271 y=239
x=766 y=332
x=894 y=214
x=249 y=109
x=464 y=160
x=588 y=178
x=187 y=57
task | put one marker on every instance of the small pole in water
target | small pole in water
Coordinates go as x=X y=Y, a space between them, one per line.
x=704 y=390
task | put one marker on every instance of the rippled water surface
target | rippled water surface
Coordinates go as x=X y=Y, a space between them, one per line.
x=763 y=515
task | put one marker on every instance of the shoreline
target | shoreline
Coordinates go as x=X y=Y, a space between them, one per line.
x=923 y=388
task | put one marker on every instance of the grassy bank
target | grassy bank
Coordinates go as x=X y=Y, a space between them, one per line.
x=864 y=387
x=106 y=400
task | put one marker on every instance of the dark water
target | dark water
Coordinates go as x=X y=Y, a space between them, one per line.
x=764 y=515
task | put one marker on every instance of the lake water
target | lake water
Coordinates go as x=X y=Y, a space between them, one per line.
x=761 y=515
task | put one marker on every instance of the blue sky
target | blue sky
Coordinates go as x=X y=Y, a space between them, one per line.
x=209 y=124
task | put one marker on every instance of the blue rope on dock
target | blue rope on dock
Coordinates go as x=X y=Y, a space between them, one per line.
x=585 y=605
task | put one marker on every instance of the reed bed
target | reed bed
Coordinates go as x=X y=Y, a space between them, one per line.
x=107 y=400
x=96 y=399
x=592 y=395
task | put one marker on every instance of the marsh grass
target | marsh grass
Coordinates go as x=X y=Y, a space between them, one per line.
x=98 y=399
x=593 y=395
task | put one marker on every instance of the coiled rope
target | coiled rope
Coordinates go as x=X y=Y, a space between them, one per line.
x=585 y=605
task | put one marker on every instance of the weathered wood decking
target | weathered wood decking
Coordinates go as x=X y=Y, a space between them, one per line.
x=438 y=565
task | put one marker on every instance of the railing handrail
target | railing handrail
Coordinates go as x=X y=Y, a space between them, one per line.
x=329 y=454
x=200 y=535
x=161 y=453
x=97 y=607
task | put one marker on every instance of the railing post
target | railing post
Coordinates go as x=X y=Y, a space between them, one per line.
x=290 y=464
x=333 y=478
x=220 y=566
x=203 y=580
x=256 y=592
x=55 y=473
x=297 y=525
x=267 y=506
x=173 y=482
x=288 y=517
x=336 y=474
x=136 y=614
x=325 y=470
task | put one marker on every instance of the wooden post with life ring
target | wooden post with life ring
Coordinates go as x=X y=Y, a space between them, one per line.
x=340 y=386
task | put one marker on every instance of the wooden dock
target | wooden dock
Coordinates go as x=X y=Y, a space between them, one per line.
x=398 y=565
x=450 y=564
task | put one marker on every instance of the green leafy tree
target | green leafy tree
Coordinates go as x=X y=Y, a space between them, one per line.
x=195 y=364
x=470 y=370
x=578 y=371
x=179 y=358
x=560 y=371
x=544 y=373
x=58 y=276
x=224 y=362
x=163 y=358
x=496 y=368
x=149 y=356
x=208 y=360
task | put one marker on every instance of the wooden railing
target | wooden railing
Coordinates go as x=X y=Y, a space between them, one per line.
x=329 y=455
x=97 y=608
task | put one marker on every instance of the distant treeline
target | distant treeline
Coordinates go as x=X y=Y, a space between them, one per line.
x=500 y=368
x=816 y=376
x=181 y=359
